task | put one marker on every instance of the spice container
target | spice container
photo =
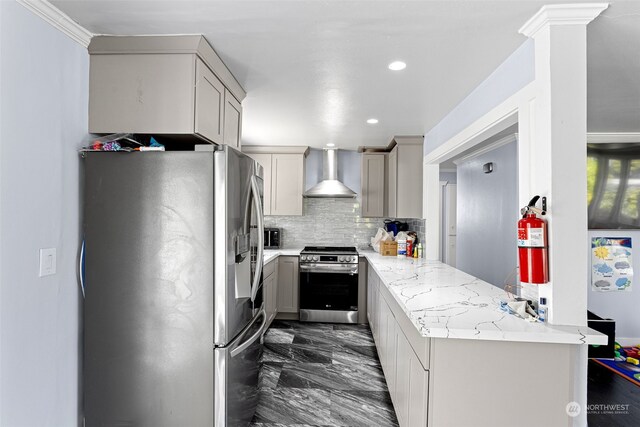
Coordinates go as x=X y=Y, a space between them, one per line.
x=402 y=247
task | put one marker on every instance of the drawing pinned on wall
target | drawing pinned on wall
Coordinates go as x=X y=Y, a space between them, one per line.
x=611 y=269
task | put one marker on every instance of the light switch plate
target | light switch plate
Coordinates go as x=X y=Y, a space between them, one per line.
x=47 y=262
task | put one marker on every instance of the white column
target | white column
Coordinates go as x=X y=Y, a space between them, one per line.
x=557 y=163
x=554 y=164
x=431 y=210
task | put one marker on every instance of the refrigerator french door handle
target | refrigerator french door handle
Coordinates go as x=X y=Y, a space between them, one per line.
x=260 y=255
x=242 y=347
x=80 y=269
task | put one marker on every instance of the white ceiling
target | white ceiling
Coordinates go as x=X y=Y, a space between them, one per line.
x=315 y=71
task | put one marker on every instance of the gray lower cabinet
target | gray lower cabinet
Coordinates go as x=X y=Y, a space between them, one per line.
x=448 y=382
x=410 y=385
x=270 y=289
x=406 y=377
x=363 y=310
x=173 y=86
x=372 y=292
x=288 y=283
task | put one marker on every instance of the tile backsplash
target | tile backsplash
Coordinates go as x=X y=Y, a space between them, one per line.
x=334 y=222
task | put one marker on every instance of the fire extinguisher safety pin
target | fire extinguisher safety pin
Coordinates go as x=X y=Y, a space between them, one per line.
x=531 y=207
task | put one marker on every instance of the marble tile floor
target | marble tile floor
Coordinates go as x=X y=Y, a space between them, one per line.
x=321 y=374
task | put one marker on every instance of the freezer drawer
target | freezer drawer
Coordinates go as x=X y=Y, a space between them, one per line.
x=236 y=376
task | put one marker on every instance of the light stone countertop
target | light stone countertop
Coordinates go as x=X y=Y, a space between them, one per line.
x=271 y=254
x=443 y=302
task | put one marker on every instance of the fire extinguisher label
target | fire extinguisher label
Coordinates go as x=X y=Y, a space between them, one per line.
x=531 y=237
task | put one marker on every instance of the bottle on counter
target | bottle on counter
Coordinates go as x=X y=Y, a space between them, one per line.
x=402 y=248
x=409 y=248
x=542 y=309
x=419 y=250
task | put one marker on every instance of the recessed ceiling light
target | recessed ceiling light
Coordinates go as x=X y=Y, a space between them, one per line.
x=372 y=121
x=331 y=144
x=397 y=66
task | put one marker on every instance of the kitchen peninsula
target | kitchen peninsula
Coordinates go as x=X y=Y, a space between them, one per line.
x=452 y=357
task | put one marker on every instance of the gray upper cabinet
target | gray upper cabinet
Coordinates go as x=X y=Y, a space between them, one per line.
x=287 y=184
x=373 y=184
x=265 y=160
x=232 y=120
x=209 y=93
x=163 y=85
x=405 y=178
x=284 y=177
x=393 y=183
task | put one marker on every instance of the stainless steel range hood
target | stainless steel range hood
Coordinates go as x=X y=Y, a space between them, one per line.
x=330 y=186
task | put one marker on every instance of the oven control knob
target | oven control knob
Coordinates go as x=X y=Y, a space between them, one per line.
x=315 y=258
x=340 y=259
x=303 y=257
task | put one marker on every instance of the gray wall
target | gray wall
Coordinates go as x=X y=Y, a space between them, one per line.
x=623 y=307
x=349 y=169
x=43 y=120
x=512 y=75
x=487 y=213
x=312 y=168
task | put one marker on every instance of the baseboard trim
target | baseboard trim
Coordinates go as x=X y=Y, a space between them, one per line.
x=288 y=316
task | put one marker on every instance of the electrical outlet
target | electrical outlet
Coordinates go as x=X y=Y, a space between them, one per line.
x=47 y=262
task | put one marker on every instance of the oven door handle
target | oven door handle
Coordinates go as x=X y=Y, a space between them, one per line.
x=317 y=268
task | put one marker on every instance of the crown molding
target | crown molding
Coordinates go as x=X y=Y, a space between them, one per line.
x=562 y=14
x=59 y=20
x=615 y=137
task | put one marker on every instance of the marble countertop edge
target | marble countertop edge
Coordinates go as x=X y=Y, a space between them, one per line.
x=271 y=254
x=448 y=303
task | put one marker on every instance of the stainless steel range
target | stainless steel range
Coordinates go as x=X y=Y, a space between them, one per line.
x=329 y=284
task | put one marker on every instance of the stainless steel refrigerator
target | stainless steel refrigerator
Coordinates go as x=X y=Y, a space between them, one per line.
x=173 y=309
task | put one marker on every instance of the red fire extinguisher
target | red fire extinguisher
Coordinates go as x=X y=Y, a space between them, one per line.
x=532 y=244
